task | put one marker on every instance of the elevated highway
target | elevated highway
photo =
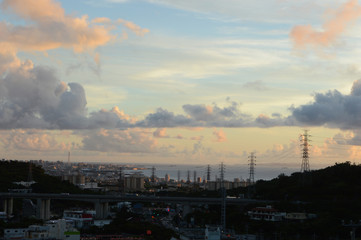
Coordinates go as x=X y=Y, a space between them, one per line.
x=102 y=201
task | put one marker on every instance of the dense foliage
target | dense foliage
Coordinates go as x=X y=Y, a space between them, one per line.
x=16 y=171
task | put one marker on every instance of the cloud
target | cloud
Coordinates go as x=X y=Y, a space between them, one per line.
x=33 y=140
x=33 y=97
x=123 y=141
x=255 y=85
x=306 y=36
x=46 y=26
x=163 y=118
x=50 y=28
x=36 y=98
x=197 y=138
x=332 y=109
x=133 y=27
x=160 y=133
x=220 y=135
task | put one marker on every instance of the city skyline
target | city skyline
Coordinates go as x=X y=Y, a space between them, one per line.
x=193 y=82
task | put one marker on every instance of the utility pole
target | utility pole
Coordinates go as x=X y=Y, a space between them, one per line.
x=223 y=192
x=304 y=138
x=252 y=164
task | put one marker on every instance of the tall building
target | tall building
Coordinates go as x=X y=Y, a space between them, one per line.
x=134 y=182
x=167 y=177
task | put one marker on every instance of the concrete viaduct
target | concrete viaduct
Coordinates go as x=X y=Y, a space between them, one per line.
x=101 y=202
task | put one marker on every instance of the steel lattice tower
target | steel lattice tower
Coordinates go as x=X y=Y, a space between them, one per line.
x=223 y=192
x=252 y=164
x=305 y=166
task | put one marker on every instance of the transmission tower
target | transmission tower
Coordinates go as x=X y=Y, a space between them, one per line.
x=252 y=164
x=208 y=173
x=305 y=166
x=223 y=192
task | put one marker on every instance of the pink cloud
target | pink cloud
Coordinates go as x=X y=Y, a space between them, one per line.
x=124 y=141
x=307 y=36
x=160 y=133
x=220 y=135
x=33 y=140
x=197 y=138
x=179 y=136
x=133 y=27
x=47 y=27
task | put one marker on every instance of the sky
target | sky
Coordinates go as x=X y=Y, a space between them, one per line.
x=180 y=81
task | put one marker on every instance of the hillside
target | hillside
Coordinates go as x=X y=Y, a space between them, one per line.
x=336 y=183
x=16 y=171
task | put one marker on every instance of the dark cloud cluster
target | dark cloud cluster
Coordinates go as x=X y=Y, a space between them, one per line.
x=36 y=98
x=332 y=109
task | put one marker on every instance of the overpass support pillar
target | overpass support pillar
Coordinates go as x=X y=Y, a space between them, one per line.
x=43 y=209
x=101 y=210
x=186 y=210
x=7 y=206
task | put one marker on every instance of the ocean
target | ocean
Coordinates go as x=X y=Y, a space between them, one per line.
x=231 y=171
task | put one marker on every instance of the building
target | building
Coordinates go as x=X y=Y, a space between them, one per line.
x=56 y=229
x=79 y=218
x=299 y=216
x=134 y=182
x=76 y=179
x=212 y=233
x=267 y=213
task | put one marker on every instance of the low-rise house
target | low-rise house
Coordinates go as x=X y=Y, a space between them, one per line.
x=267 y=213
x=55 y=229
x=79 y=218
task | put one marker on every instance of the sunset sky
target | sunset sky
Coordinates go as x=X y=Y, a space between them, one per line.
x=180 y=81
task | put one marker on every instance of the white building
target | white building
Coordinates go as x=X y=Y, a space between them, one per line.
x=212 y=233
x=79 y=218
x=57 y=229
x=267 y=213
